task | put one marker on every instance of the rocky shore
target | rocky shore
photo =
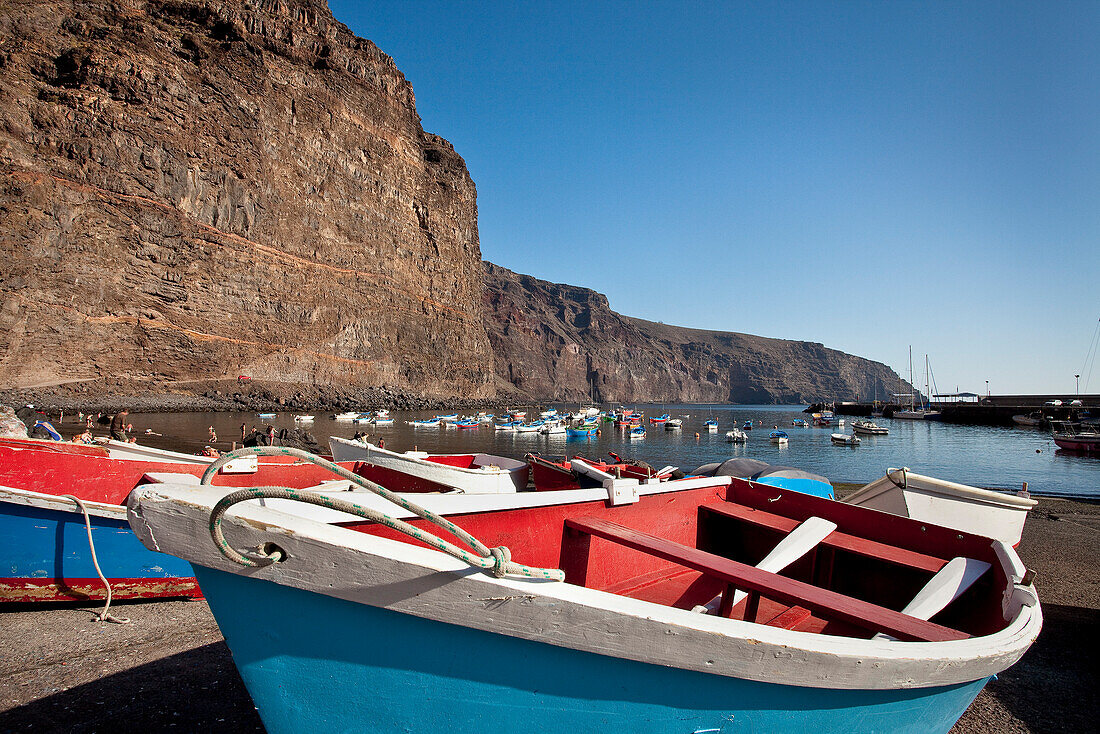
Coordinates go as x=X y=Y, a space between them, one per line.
x=110 y=395
x=170 y=670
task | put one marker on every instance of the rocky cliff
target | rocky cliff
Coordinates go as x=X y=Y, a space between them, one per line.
x=192 y=190
x=561 y=342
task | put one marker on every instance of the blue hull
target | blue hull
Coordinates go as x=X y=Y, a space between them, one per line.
x=44 y=556
x=799 y=484
x=314 y=663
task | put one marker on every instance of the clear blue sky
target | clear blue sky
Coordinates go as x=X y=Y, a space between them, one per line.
x=867 y=175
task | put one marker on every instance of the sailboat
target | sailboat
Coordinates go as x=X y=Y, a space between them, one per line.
x=922 y=413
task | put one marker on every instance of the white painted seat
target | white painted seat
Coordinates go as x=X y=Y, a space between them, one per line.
x=796 y=544
x=945 y=587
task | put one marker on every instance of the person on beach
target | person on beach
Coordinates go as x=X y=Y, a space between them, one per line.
x=381 y=443
x=118 y=426
x=270 y=435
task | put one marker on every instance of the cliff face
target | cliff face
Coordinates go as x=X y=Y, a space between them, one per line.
x=198 y=189
x=562 y=342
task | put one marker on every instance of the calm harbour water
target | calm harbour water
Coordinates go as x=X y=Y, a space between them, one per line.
x=1002 y=458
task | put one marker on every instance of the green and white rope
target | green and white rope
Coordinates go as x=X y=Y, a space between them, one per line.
x=496 y=560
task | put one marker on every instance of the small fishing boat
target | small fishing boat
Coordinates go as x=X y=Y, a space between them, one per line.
x=659 y=419
x=382 y=420
x=467 y=424
x=610 y=592
x=448 y=418
x=303 y=418
x=845 y=439
x=746 y=426
x=710 y=425
x=673 y=424
x=800 y=423
x=583 y=431
x=869 y=428
x=637 y=432
x=779 y=437
x=1081 y=437
x=998 y=515
x=736 y=436
x=532 y=427
x=507 y=425
x=266 y=415
x=347 y=417
x=419 y=471
x=427 y=423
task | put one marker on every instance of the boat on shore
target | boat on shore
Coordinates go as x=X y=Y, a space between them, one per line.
x=998 y=515
x=819 y=647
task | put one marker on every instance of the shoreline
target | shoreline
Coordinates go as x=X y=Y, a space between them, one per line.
x=170 y=668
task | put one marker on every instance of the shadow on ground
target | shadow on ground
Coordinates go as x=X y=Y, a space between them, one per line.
x=197 y=690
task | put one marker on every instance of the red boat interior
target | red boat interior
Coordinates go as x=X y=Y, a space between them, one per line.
x=684 y=548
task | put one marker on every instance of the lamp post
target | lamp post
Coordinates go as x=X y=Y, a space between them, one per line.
x=987 y=388
x=1078 y=378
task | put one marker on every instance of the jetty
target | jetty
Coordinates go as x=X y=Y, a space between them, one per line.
x=987 y=410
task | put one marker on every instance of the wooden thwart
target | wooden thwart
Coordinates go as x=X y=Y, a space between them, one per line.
x=828 y=604
x=836 y=540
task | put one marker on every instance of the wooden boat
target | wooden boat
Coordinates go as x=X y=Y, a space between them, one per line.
x=845 y=439
x=997 y=515
x=637 y=432
x=348 y=416
x=419 y=471
x=552 y=473
x=266 y=415
x=710 y=425
x=779 y=437
x=869 y=428
x=467 y=424
x=746 y=426
x=427 y=423
x=303 y=418
x=553 y=428
x=806 y=636
x=1081 y=437
x=659 y=419
x=582 y=431
x=673 y=424
x=799 y=422
x=532 y=427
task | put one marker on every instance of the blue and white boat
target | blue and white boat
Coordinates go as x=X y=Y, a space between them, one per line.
x=637 y=432
x=426 y=423
x=710 y=425
x=365 y=630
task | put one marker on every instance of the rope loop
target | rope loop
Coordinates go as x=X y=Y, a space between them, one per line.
x=498 y=561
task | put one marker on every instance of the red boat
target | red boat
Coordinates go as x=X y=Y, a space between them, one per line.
x=1083 y=437
x=561 y=472
x=107 y=472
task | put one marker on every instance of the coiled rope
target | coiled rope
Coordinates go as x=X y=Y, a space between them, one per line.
x=497 y=560
x=103 y=616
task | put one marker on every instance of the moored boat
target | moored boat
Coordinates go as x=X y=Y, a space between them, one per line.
x=845 y=439
x=819 y=647
x=736 y=436
x=869 y=428
x=1080 y=437
x=710 y=425
x=637 y=432
x=779 y=437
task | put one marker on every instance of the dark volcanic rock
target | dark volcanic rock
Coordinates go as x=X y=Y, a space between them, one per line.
x=561 y=342
x=195 y=189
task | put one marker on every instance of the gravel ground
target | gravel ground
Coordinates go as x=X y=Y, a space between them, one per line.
x=169 y=669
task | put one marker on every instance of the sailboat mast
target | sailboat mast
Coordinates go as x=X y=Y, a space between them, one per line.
x=910 y=377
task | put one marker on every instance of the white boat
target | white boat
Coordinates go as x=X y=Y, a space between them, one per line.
x=456 y=640
x=674 y=423
x=845 y=439
x=419 y=471
x=997 y=515
x=736 y=436
x=347 y=417
x=779 y=437
x=553 y=428
x=303 y=418
x=869 y=428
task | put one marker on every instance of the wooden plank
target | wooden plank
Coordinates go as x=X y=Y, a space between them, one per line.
x=836 y=539
x=828 y=603
x=789 y=618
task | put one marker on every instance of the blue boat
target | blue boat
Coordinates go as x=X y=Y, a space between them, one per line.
x=638 y=432
x=46 y=556
x=267 y=415
x=365 y=631
x=746 y=426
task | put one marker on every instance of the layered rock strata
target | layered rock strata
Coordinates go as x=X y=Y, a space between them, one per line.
x=562 y=342
x=192 y=190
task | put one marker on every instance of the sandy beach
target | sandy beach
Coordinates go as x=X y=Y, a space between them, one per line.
x=169 y=669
